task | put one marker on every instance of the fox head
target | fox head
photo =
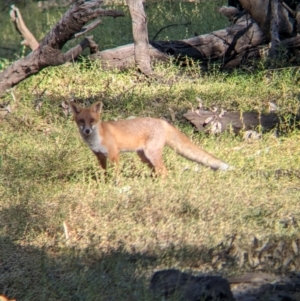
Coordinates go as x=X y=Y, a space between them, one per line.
x=86 y=118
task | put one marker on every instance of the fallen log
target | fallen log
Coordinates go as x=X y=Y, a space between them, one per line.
x=208 y=121
x=231 y=45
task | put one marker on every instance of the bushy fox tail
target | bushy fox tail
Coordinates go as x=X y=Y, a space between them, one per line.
x=183 y=146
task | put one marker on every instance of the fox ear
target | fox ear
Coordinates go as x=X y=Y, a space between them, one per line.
x=97 y=106
x=75 y=107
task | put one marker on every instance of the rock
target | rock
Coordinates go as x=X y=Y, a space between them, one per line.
x=190 y=288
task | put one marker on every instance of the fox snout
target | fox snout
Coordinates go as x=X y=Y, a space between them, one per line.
x=86 y=128
x=86 y=131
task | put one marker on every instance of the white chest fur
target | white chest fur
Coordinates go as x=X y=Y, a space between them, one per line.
x=94 y=141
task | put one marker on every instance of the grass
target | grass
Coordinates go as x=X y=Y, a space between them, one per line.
x=67 y=235
x=120 y=232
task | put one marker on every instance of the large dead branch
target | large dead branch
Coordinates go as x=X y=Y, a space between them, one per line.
x=261 y=22
x=266 y=21
x=213 y=122
x=49 y=51
x=231 y=45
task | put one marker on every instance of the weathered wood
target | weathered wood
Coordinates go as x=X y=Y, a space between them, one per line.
x=49 y=51
x=275 y=40
x=260 y=11
x=87 y=28
x=232 y=45
x=29 y=39
x=122 y=57
x=140 y=36
x=205 y=121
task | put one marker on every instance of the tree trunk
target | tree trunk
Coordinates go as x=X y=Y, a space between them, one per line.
x=266 y=21
x=140 y=36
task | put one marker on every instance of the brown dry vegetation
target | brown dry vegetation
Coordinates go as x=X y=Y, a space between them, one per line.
x=66 y=235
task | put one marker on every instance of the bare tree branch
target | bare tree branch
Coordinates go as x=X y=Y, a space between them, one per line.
x=170 y=25
x=29 y=39
x=260 y=11
x=49 y=51
x=236 y=44
x=86 y=29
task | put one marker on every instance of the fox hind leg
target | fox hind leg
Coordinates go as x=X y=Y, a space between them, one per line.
x=113 y=156
x=154 y=156
x=144 y=159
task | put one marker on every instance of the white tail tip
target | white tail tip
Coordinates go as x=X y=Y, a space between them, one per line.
x=225 y=166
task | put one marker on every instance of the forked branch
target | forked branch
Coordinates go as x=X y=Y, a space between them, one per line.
x=29 y=39
x=48 y=53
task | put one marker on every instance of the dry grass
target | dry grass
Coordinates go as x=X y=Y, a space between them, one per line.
x=67 y=235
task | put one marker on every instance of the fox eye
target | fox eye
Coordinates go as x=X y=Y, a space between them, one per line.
x=81 y=121
x=92 y=120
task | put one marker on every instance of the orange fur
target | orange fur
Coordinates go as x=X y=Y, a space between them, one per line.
x=146 y=136
x=4 y=298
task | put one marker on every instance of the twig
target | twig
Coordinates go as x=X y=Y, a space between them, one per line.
x=171 y=25
x=29 y=39
x=292 y=12
x=66 y=230
x=84 y=30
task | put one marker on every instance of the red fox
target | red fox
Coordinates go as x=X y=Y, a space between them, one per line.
x=146 y=136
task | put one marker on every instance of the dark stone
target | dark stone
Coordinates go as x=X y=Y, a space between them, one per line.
x=190 y=288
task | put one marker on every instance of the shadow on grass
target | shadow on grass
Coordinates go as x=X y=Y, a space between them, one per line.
x=58 y=271
x=62 y=270
x=61 y=273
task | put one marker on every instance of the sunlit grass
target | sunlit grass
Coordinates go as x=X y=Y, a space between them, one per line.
x=66 y=234
x=55 y=205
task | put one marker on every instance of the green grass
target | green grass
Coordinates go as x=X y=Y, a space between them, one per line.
x=120 y=232
x=65 y=234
